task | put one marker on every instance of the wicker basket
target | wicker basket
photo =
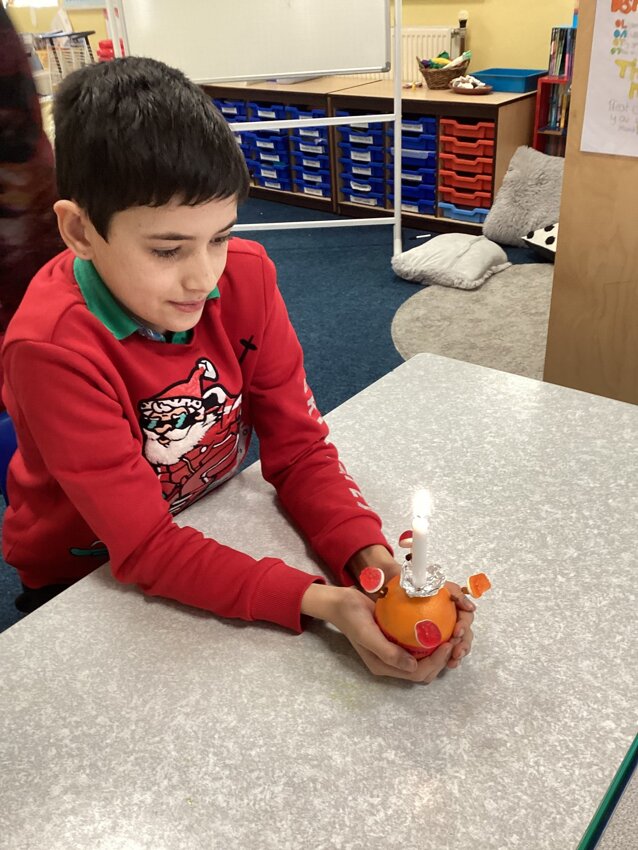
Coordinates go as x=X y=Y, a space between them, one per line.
x=440 y=78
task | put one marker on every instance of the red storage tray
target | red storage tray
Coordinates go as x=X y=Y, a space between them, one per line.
x=476 y=182
x=481 y=147
x=468 y=199
x=466 y=164
x=467 y=130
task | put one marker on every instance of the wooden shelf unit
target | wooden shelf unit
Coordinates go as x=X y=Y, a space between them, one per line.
x=512 y=113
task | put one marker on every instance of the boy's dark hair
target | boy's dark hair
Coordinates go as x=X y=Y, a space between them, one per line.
x=135 y=132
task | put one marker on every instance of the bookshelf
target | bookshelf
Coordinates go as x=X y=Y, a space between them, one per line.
x=554 y=94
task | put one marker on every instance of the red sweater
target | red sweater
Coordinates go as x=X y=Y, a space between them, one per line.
x=115 y=436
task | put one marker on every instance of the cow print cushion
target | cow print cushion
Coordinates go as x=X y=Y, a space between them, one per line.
x=544 y=241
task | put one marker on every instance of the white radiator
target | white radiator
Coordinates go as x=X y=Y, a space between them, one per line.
x=424 y=42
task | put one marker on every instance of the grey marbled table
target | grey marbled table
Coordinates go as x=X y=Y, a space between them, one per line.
x=135 y=724
x=621 y=832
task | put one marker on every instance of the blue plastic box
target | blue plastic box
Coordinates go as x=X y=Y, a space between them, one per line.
x=422 y=207
x=311 y=176
x=415 y=193
x=414 y=176
x=314 y=147
x=360 y=137
x=267 y=112
x=510 y=79
x=372 y=199
x=477 y=214
x=311 y=162
x=361 y=186
x=363 y=169
x=358 y=154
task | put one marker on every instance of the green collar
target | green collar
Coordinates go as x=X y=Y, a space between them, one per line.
x=105 y=308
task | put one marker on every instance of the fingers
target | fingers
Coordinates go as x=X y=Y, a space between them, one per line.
x=389 y=654
x=425 y=671
x=459 y=597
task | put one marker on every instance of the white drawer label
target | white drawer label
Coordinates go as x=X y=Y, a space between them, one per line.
x=361 y=156
x=364 y=140
x=371 y=202
x=310 y=163
x=313 y=178
x=360 y=187
x=310 y=148
x=266 y=172
x=310 y=191
x=313 y=134
x=362 y=172
x=270 y=157
x=267 y=145
x=229 y=110
x=266 y=113
x=272 y=185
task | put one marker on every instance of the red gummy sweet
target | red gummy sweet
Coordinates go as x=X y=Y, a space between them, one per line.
x=427 y=634
x=371 y=579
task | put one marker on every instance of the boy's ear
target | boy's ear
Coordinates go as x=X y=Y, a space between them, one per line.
x=74 y=227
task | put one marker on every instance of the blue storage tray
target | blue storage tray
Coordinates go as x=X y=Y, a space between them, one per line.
x=294 y=113
x=415 y=193
x=423 y=207
x=510 y=79
x=422 y=124
x=362 y=185
x=373 y=199
x=315 y=147
x=280 y=157
x=359 y=126
x=269 y=170
x=267 y=112
x=316 y=190
x=417 y=159
x=267 y=142
x=231 y=109
x=360 y=137
x=478 y=214
x=283 y=185
x=310 y=176
x=311 y=162
x=414 y=176
x=363 y=169
x=362 y=154
x=422 y=142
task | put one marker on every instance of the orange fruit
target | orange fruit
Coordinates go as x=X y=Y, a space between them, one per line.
x=418 y=624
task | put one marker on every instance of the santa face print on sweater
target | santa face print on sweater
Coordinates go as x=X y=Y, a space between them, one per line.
x=193 y=436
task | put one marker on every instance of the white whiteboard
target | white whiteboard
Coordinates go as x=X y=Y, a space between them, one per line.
x=231 y=40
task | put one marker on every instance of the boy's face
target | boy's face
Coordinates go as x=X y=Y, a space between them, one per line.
x=161 y=263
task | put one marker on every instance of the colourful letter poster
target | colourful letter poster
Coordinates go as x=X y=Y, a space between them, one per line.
x=610 y=122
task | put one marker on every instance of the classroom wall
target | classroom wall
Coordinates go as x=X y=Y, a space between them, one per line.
x=39 y=20
x=502 y=33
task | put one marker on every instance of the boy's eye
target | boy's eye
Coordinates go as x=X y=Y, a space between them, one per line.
x=221 y=239
x=165 y=253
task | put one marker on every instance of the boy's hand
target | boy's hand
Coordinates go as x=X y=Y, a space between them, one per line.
x=462 y=631
x=352 y=613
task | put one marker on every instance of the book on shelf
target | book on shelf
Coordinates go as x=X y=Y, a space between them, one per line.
x=561 y=51
x=558 y=106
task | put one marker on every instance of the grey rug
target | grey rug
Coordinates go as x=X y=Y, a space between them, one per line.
x=502 y=325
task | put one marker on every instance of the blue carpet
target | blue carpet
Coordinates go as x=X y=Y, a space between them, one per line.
x=341 y=295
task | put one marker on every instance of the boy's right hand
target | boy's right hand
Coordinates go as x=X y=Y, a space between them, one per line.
x=352 y=613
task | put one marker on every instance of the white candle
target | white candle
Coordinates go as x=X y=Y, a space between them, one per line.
x=421 y=510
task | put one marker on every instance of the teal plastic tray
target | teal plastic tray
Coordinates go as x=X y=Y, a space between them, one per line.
x=510 y=79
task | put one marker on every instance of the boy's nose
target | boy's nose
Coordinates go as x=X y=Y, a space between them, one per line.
x=202 y=275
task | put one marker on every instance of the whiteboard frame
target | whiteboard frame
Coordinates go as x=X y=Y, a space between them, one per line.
x=116 y=25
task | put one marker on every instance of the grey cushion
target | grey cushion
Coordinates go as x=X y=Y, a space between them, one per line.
x=528 y=199
x=459 y=260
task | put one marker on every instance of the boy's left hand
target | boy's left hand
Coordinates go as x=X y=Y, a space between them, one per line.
x=379 y=556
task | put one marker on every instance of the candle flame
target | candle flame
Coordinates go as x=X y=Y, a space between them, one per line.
x=422 y=504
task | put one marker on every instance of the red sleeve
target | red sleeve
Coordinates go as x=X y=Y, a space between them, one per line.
x=296 y=455
x=90 y=449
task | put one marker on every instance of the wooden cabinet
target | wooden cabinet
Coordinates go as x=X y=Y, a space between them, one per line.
x=510 y=116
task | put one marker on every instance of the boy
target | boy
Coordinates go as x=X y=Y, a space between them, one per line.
x=142 y=357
